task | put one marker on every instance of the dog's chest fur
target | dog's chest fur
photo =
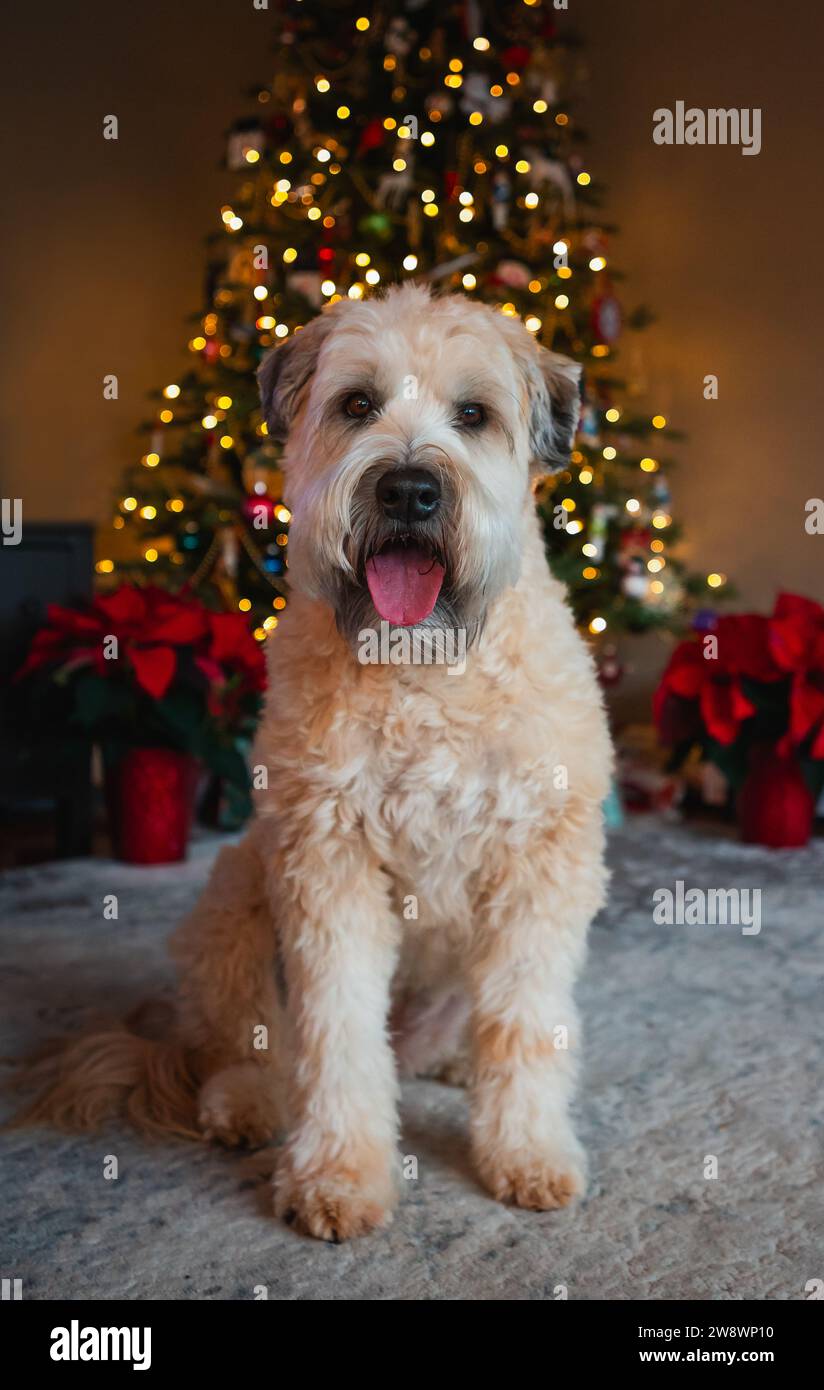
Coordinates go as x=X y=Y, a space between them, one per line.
x=437 y=772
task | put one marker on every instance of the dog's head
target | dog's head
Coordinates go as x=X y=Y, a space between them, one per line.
x=410 y=426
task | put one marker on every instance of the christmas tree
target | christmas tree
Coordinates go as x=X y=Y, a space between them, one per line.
x=425 y=140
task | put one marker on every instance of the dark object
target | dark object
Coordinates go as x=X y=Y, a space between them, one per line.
x=39 y=769
x=775 y=806
x=150 y=795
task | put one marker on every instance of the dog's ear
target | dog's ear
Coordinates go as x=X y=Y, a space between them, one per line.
x=555 y=396
x=286 y=370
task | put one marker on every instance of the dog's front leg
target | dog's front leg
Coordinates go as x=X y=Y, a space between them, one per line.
x=337 y=1176
x=528 y=945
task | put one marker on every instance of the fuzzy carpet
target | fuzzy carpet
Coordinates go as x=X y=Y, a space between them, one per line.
x=700 y=1041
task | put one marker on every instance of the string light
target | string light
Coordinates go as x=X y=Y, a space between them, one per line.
x=715 y=581
x=598 y=625
x=659 y=422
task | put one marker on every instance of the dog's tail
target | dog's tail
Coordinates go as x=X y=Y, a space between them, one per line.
x=80 y=1082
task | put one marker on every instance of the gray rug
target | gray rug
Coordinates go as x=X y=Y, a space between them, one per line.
x=701 y=1041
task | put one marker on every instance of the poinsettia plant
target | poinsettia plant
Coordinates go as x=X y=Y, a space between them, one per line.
x=748 y=682
x=141 y=667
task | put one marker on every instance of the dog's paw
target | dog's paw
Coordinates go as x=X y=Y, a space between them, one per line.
x=540 y=1180
x=336 y=1202
x=238 y=1106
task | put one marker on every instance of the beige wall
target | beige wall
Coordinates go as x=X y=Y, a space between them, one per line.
x=724 y=248
x=103 y=258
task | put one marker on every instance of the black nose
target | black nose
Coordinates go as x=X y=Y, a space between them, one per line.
x=408 y=494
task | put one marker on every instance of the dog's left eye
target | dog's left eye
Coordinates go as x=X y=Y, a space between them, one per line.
x=471 y=414
x=358 y=405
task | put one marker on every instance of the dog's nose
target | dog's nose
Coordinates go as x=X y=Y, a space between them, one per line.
x=408 y=494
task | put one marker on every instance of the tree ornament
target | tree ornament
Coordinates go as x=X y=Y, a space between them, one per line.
x=635 y=580
x=395 y=186
x=259 y=511
x=605 y=318
x=599 y=518
x=610 y=666
x=378 y=224
x=399 y=37
x=501 y=199
x=545 y=172
x=308 y=284
x=476 y=96
x=244 y=136
x=372 y=136
x=512 y=274
x=441 y=102
x=588 y=427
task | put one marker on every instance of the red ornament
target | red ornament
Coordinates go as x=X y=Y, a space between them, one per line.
x=372 y=136
x=515 y=58
x=150 y=792
x=259 y=511
x=212 y=350
x=775 y=805
x=606 y=318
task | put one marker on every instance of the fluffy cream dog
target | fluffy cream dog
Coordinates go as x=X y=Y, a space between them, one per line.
x=415 y=891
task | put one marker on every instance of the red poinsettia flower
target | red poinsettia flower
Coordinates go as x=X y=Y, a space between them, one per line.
x=710 y=672
x=149 y=625
x=797 y=645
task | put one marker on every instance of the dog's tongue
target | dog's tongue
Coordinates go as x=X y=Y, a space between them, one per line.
x=404 y=584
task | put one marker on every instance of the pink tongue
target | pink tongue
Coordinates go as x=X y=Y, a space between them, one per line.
x=404 y=584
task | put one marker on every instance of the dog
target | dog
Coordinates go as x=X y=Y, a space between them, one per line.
x=414 y=893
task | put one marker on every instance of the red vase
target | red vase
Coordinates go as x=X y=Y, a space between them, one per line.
x=775 y=806
x=150 y=793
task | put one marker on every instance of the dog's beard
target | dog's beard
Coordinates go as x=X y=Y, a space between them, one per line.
x=339 y=527
x=376 y=545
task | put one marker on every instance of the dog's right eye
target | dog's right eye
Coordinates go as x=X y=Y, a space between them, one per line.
x=358 y=405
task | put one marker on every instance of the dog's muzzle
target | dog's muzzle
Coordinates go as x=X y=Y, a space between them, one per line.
x=404 y=573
